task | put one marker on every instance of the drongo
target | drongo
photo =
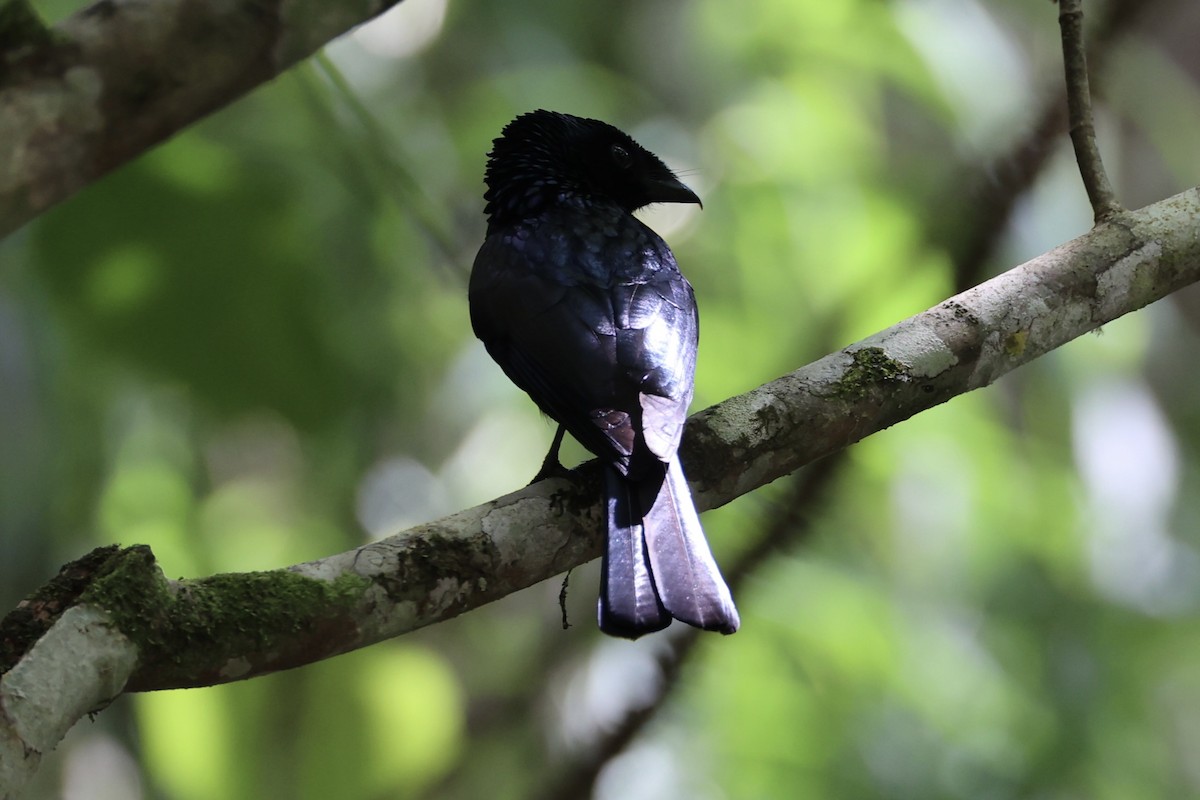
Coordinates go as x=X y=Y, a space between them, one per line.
x=585 y=309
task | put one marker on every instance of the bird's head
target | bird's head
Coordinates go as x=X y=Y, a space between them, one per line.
x=543 y=156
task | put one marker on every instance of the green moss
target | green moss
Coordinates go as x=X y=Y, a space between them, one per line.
x=1014 y=344
x=869 y=368
x=189 y=633
x=130 y=581
x=427 y=558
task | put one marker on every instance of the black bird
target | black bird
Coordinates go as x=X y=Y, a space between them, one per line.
x=584 y=308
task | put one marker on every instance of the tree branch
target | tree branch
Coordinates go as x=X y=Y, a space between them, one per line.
x=120 y=76
x=229 y=627
x=81 y=664
x=1079 y=111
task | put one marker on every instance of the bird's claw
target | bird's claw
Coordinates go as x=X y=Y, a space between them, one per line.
x=551 y=468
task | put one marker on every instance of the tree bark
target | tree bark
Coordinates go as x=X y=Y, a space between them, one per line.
x=117 y=78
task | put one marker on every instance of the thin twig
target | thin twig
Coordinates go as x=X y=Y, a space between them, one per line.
x=971 y=236
x=1079 y=109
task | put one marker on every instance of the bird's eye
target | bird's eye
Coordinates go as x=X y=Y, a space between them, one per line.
x=621 y=157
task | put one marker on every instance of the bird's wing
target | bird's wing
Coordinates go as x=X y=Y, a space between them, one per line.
x=613 y=363
x=553 y=339
x=657 y=331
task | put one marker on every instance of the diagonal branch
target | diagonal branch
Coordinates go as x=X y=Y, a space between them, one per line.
x=117 y=78
x=159 y=634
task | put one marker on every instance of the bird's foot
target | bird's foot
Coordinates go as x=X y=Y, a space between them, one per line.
x=551 y=468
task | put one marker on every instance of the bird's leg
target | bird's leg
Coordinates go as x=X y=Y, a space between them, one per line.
x=551 y=466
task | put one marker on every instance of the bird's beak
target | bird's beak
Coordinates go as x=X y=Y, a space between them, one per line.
x=671 y=190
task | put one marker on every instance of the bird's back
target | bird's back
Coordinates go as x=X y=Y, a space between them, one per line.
x=586 y=310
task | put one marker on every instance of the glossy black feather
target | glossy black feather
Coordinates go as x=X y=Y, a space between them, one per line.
x=629 y=600
x=585 y=309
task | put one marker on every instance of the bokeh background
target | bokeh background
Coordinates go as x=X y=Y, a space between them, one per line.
x=251 y=348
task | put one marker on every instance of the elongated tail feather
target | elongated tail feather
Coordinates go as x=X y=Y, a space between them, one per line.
x=629 y=604
x=657 y=563
x=686 y=575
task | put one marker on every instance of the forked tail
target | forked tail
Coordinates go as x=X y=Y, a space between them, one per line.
x=657 y=563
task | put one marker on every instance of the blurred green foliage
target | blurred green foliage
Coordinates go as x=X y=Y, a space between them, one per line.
x=251 y=348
